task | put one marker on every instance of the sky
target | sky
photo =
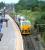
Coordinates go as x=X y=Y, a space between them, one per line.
x=13 y=1
x=9 y=1
x=41 y=0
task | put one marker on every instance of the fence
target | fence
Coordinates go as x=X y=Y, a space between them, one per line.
x=41 y=27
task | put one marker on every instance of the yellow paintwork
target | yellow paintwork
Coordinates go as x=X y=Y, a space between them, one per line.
x=25 y=27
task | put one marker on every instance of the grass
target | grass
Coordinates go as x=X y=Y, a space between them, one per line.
x=43 y=36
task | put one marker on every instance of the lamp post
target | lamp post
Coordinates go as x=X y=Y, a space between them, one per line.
x=4 y=11
x=5 y=20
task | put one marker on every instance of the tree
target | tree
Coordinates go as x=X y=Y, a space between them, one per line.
x=26 y=4
x=40 y=21
x=2 y=5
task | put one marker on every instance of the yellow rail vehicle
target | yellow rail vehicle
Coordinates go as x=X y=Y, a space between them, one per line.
x=25 y=26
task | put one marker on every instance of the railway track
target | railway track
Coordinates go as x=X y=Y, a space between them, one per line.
x=27 y=42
